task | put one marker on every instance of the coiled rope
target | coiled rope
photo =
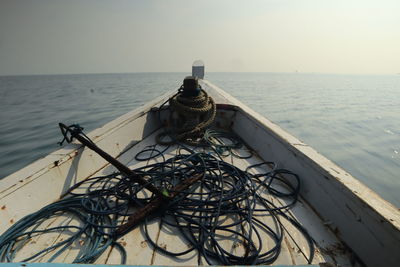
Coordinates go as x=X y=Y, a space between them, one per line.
x=227 y=206
x=189 y=118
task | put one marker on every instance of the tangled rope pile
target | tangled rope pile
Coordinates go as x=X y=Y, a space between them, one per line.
x=91 y=230
x=228 y=207
x=225 y=144
x=189 y=118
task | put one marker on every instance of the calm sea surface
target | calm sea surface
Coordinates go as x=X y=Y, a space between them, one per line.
x=354 y=120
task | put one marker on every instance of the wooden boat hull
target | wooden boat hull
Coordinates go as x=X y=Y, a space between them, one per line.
x=364 y=226
x=368 y=224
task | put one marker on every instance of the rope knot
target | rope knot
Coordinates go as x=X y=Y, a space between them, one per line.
x=69 y=132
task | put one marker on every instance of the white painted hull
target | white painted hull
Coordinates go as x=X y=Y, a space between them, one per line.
x=336 y=208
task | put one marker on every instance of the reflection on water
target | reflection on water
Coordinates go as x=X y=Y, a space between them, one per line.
x=351 y=119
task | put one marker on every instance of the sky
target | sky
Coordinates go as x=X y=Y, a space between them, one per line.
x=97 y=36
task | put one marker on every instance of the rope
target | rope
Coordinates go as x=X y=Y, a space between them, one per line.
x=94 y=232
x=226 y=143
x=193 y=116
x=200 y=214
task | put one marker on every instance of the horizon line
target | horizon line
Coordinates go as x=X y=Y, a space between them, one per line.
x=149 y=72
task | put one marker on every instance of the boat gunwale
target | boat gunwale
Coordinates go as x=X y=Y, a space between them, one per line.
x=36 y=169
x=363 y=192
x=371 y=204
x=361 y=218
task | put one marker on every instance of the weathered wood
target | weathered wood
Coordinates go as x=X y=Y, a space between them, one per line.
x=290 y=253
x=327 y=247
x=77 y=134
x=174 y=241
x=334 y=206
x=138 y=217
x=140 y=252
x=359 y=217
x=71 y=164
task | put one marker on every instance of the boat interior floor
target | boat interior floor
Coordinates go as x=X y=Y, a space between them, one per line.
x=294 y=248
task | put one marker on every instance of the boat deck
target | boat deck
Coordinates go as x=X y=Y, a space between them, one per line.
x=294 y=248
x=357 y=224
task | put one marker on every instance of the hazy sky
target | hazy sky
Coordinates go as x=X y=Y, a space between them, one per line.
x=332 y=36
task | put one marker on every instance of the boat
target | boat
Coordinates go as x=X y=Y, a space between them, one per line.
x=348 y=223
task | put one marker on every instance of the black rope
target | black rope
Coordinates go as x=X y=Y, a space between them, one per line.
x=227 y=208
x=70 y=131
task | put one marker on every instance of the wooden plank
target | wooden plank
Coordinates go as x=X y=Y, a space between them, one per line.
x=138 y=250
x=137 y=246
x=286 y=255
x=173 y=240
x=293 y=243
x=230 y=242
x=328 y=247
x=364 y=220
x=78 y=170
x=170 y=239
x=39 y=242
x=31 y=197
x=73 y=166
x=60 y=236
x=68 y=165
x=304 y=171
x=135 y=242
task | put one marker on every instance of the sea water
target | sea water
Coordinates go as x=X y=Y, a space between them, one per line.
x=354 y=120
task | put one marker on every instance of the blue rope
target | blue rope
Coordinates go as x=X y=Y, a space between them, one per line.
x=100 y=204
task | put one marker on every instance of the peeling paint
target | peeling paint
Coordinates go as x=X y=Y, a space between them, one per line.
x=299 y=144
x=338 y=172
x=163 y=246
x=335 y=249
x=143 y=244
